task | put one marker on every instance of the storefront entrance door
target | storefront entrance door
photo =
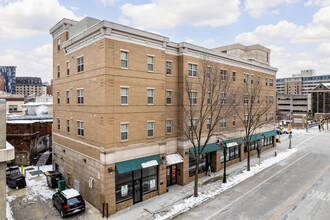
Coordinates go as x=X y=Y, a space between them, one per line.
x=171 y=175
x=137 y=191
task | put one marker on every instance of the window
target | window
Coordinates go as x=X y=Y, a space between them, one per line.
x=68 y=125
x=223 y=122
x=266 y=82
x=58 y=44
x=208 y=72
x=80 y=62
x=68 y=68
x=231 y=153
x=192 y=164
x=234 y=120
x=192 y=127
x=150 y=63
x=124 y=132
x=234 y=99
x=67 y=97
x=258 y=80
x=246 y=78
x=80 y=128
x=246 y=99
x=271 y=82
x=266 y=99
x=208 y=98
x=271 y=99
x=150 y=129
x=150 y=96
x=266 y=117
x=258 y=118
x=246 y=118
x=258 y=99
x=124 y=186
x=12 y=108
x=58 y=123
x=193 y=98
x=168 y=68
x=271 y=116
x=223 y=75
x=80 y=95
x=252 y=76
x=58 y=98
x=58 y=71
x=234 y=76
x=192 y=70
x=123 y=59
x=168 y=126
x=208 y=123
x=168 y=97
x=223 y=98
x=124 y=96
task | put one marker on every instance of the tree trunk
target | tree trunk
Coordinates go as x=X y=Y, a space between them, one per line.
x=196 y=177
x=248 y=159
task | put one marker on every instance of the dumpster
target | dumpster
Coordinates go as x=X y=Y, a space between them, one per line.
x=12 y=169
x=61 y=185
x=52 y=178
x=16 y=181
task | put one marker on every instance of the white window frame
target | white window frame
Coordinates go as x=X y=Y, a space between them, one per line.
x=121 y=95
x=258 y=80
x=271 y=82
x=153 y=96
x=58 y=123
x=170 y=98
x=81 y=97
x=68 y=68
x=192 y=100
x=58 y=97
x=266 y=81
x=246 y=78
x=166 y=125
x=121 y=59
x=223 y=122
x=67 y=97
x=170 y=69
x=234 y=121
x=271 y=116
x=152 y=63
x=152 y=122
x=271 y=99
x=58 y=71
x=234 y=76
x=81 y=128
x=208 y=71
x=68 y=125
x=193 y=126
x=121 y=131
x=81 y=65
x=223 y=98
x=252 y=79
x=191 y=70
x=245 y=119
x=246 y=100
x=208 y=123
x=223 y=74
x=58 y=44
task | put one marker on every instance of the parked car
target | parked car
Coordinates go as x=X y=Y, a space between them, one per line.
x=285 y=131
x=68 y=202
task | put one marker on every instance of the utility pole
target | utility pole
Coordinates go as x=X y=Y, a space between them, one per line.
x=290 y=136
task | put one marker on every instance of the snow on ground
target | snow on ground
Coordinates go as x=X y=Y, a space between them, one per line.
x=9 y=212
x=218 y=187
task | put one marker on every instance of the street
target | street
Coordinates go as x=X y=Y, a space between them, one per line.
x=296 y=188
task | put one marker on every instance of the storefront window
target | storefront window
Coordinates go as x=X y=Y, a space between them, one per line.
x=268 y=141
x=149 y=179
x=232 y=153
x=253 y=146
x=124 y=189
x=192 y=164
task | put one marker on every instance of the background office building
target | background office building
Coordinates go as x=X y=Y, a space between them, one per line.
x=29 y=85
x=118 y=97
x=300 y=84
x=9 y=78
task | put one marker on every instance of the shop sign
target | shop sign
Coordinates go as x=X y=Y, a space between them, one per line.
x=124 y=190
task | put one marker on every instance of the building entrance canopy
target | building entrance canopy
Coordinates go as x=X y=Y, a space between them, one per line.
x=255 y=137
x=269 y=133
x=208 y=148
x=139 y=163
x=173 y=159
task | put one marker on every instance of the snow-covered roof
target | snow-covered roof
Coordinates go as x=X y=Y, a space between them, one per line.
x=173 y=159
x=232 y=144
x=150 y=163
x=70 y=193
x=28 y=121
x=37 y=103
x=29 y=117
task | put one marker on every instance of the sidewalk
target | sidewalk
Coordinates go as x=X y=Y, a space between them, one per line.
x=160 y=205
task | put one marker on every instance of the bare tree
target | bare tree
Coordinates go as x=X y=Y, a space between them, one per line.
x=252 y=110
x=204 y=105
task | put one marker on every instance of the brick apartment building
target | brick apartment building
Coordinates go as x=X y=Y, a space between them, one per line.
x=118 y=93
x=29 y=85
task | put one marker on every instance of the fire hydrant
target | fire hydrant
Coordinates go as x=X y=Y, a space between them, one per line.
x=275 y=153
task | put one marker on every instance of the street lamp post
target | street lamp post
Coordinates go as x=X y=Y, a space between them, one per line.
x=290 y=136
x=224 y=180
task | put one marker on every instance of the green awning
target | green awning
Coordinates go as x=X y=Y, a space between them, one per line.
x=208 y=148
x=255 y=137
x=237 y=140
x=269 y=133
x=139 y=163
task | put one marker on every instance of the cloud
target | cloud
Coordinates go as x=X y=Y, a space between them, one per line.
x=108 y=2
x=315 y=32
x=170 y=13
x=26 y=18
x=209 y=41
x=37 y=62
x=324 y=50
x=317 y=3
x=257 y=8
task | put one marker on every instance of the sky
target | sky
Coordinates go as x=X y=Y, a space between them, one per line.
x=296 y=31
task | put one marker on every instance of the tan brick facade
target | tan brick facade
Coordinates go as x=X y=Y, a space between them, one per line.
x=102 y=112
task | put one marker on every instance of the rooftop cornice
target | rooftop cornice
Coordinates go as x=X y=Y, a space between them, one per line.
x=61 y=26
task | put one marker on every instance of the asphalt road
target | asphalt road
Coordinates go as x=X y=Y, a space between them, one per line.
x=296 y=188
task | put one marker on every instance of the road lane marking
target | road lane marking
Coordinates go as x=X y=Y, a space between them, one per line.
x=230 y=204
x=302 y=189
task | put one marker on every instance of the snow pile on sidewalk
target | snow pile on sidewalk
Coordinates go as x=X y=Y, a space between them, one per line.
x=37 y=187
x=9 y=212
x=219 y=187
